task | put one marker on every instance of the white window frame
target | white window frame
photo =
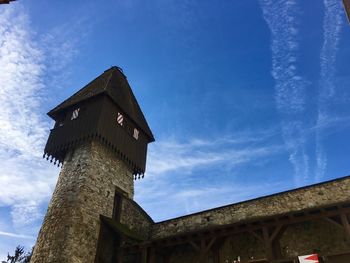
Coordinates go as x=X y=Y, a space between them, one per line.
x=75 y=114
x=136 y=134
x=120 y=119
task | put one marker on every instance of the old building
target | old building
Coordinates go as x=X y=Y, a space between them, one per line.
x=6 y=1
x=100 y=137
x=347 y=8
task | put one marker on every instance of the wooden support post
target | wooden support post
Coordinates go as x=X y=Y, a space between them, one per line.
x=216 y=249
x=216 y=255
x=268 y=245
x=152 y=254
x=204 y=249
x=346 y=225
x=143 y=255
x=272 y=247
x=274 y=239
x=167 y=257
x=119 y=256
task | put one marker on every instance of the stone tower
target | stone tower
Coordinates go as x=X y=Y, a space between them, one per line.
x=100 y=137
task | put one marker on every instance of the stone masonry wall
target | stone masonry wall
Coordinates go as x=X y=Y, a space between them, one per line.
x=300 y=199
x=317 y=236
x=85 y=189
x=136 y=218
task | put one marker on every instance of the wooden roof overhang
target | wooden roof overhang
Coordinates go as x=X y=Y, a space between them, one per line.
x=6 y=1
x=347 y=8
x=265 y=229
x=112 y=83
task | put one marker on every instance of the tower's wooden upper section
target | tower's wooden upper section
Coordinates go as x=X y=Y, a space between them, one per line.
x=6 y=1
x=107 y=110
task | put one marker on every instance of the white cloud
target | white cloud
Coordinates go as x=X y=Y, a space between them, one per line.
x=169 y=178
x=332 y=23
x=171 y=155
x=290 y=86
x=21 y=64
x=26 y=181
x=7 y=234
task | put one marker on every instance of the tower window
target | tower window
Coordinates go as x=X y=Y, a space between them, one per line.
x=75 y=114
x=136 y=134
x=120 y=119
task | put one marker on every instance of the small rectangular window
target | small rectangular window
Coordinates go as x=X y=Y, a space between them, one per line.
x=136 y=134
x=75 y=114
x=120 y=119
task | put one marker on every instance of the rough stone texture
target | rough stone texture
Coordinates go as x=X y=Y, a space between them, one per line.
x=299 y=239
x=136 y=218
x=314 y=236
x=292 y=201
x=85 y=189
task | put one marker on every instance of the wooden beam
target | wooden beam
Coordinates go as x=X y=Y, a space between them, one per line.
x=202 y=252
x=256 y=235
x=251 y=227
x=345 y=222
x=333 y=222
x=203 y=249
x=272 y=247
x=211 y=243
x=195 y=246
x=152 y=254
x=167 y=256
x=267 y=242
x=275 y=233
x=144 y=255
x=233 y=229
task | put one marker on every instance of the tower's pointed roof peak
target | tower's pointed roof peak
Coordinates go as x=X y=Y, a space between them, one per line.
x=113 y=83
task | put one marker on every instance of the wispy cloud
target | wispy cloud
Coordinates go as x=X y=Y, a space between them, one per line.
x=22 y=131
x=22 y=67
x=176 y=194
x=7 y=234
x=25 y=61
x=171 y=155
x=332 y=23
x=176 y=168
x=282 y=19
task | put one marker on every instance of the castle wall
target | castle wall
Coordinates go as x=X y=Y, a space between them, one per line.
x=136 y=218
x=317 y=236
x=305 y=238
x=85 y=189
x=300 y=199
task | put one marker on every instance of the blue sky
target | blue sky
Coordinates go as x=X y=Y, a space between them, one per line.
x=245 y=98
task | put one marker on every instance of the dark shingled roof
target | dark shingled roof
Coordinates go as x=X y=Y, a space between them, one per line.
x=114 y=84
x=6 y=1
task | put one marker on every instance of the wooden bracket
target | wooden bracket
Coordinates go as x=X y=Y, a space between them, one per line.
x=334 y=222
x=345 y=222
x=269 y=239
x=203 y=248
x=259 y=237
